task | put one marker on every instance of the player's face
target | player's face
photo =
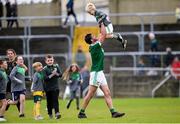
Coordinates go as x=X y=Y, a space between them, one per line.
x=20 y=60
x=73 y=68
x=49 y=61
x=10 y=55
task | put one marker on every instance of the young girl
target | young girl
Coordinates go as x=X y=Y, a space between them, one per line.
x=74 y=80
x=103 y=18
x=18 y=85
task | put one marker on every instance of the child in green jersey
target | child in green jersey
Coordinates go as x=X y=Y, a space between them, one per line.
x=74 y=80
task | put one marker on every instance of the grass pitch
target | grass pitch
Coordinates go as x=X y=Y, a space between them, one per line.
x=145 y=110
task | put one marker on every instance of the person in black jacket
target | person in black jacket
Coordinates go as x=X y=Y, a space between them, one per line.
x=1 y=13
x=14 y=14
x=8 y=12
x=52 y=73
x=70 y=11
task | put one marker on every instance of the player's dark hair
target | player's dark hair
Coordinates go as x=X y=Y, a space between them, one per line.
x=88 y=38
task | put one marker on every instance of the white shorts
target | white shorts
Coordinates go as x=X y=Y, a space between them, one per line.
x=109 y=29
x=97 y=79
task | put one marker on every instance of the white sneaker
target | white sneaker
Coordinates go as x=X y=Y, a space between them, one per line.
x=2 y=119
x=39 y=118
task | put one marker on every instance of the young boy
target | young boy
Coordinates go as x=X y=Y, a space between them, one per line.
x=103 y=18
x=3 y=85
x=52 y=73
x=18 y=87
x=37 y=89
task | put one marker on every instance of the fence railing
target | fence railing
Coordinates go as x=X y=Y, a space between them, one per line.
x=140 y=34
x=158 y=85
x=135 y=56
x=141 y=17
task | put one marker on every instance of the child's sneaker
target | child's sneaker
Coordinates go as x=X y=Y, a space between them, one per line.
x=124 y=42
x=58 y=116
x=2 y=119
x=39 y=117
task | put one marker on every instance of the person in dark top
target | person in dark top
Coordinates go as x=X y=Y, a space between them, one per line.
x=169 y=57
x=14 y=13
x=8 y=12
x=74 y=79
x=52 y=73
x=1 y=13
x=154 y=42
x=70 y=11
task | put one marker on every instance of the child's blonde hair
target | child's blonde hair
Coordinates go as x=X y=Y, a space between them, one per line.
x=68 y=71
x=36 y=64
x=90 y=6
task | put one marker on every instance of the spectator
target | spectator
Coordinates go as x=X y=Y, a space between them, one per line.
x=1 y=13
x=14 y=13
x=81 y=60
x=70 y=11
x=177 y=12
x=141 y=65
x=8 y=12
x=154 y=42
x=80 y=57
x=154 y=48
x=168 y=57
x=176 y=68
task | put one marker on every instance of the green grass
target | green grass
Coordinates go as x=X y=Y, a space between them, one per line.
x=159 y=110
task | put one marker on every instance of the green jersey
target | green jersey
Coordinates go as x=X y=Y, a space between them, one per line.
x=75 y=76
x=97 y=56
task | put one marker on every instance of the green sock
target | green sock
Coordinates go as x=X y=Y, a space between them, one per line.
x=82 y=110
x=112 y=110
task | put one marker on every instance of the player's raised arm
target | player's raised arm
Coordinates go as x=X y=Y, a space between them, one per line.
x=102 y=33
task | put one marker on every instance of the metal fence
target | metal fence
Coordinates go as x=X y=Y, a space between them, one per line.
x=158 y=84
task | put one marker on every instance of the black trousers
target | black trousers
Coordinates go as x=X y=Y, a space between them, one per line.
x=70 y=11
x=52 y=101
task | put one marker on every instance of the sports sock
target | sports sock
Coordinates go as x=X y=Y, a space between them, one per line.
x=34 y=110
x=38 y=108
x=82 y=111
x=112 y=110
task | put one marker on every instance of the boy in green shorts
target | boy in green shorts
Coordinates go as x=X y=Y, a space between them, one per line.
x=37 y=89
